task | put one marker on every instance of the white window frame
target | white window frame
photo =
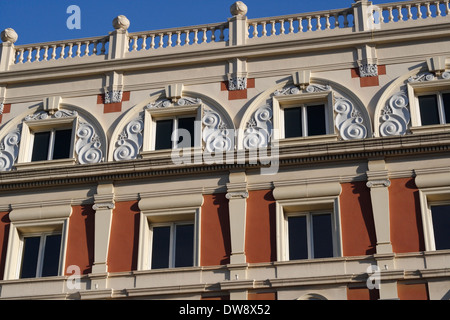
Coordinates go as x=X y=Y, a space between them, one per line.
x=430 y=197
x=32 y=221
x=27 y=140
x=421 y=88
x=175 y=120
x=43 y=236
x=172 y=249
x=152 y=115
x=440 y=105
x=304 y=100
x=309 y=230
x=296 y=207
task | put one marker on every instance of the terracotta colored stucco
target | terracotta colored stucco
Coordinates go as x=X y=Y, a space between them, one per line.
x=362 y=294
x=358 y=231
x=260 y=243
x=215 y=245
x=4 y=233
x=412 y=291
x=124 y=240
x=405 y=216
x=80 y=240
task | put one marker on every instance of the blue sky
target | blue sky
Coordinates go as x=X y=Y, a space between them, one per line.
x=45 y=20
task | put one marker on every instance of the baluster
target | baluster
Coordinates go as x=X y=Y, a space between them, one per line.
x=264 y=30
x=62 y=53
x=103 y=50
x=78 y=49
x=70 y=53
x=447 y=8
x=400 y=15
x=309 y=24
x=380 y=14
x=291 y=25
x=419 y=12
x=319 y=25
x=327 y=22
x=178 y=38
x=94 y=48
x=255 y=29
x=438 y=10
x=135 y=43
x=205 y=36
x=282 y=30
x=86 y=49
x=186 y=41
x=38 y=54
x=21 y=56
x=144 y=42
x=410 y=16
x=161 y=40
x=45 y=53
x=391 y=16
x=273 y=32
x=169 y=39
x=195 y=36
x=428 y=10
x=336 y=20
x=53 y=52
x=30 y=51
x=222 y=33
x=152 y=43
x=213 y=34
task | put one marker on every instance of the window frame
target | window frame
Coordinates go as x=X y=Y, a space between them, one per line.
x=152 y=115
x=440 y=106
x=30 y=127
x=298 y=207
x=41 y=254
x=303 y=100
x=172 y=240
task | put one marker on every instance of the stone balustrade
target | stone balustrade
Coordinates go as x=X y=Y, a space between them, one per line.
x=362 y=16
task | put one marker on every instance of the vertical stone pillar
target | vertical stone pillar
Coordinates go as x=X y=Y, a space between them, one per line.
x=8 y=37
x=363 y=16
x=104 y=205
x=118 y=39
x=238 y=24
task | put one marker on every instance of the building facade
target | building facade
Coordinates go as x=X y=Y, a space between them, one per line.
x=293 y=157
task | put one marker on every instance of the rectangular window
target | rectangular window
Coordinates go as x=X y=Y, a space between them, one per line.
x=310 y=236
x=304 y=121
x=172 y=246
x=184 y=135
x=52 y=145
x=441 y=226
x=434 y=109
x=40 y=256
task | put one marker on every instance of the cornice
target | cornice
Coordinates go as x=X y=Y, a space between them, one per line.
x=293 y=155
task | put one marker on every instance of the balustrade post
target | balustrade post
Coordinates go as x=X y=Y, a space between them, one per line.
x=8 y=37
x=238 y=26
x=118 y=39
x=363 y=15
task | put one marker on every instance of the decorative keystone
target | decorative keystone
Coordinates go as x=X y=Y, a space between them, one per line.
x=121 y=23
x=238 y=9
x=9 y=35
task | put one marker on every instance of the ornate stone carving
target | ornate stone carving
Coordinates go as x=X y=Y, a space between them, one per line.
x=9 y=35
x=446 y=75
x=237 y=83
x=368 y=70
x=121 y=23
x=378 y=183
x=395 y=116
x=215 y=133
x=164 y=103
x=238 y=9
x=88 y=145
x=130 y=141
x=237 y=195
x=259 y=129
x=287 y=91
x=113 y=96
x=421 y=77
x=40 y=115
x=349 y=121
x=317 y=88
x=103 y=206
x=2 y=108
x=9 y=149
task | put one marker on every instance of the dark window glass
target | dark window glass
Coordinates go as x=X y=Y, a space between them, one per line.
x=316 y=120
x=322 y=236
x=185 y=141
x=40 y=146
x=61 y=148
x=441 y=226
x=51 y=255
x=160 y=247
x=446 y=101
x=298 y=239
x=293 y=122
x=164 y=129
x=429 y=113
x=30 y=257
x=184 y=245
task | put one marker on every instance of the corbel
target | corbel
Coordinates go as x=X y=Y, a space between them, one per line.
x=174 y=91
x=367 y=61
x=436 y=65
x=302 y=78
x=237 y=75
x=113 y=89
x=51 y=104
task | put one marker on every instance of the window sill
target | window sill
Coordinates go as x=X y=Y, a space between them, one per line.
x=431 y=128
x=168 y=153
x=45 y=164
